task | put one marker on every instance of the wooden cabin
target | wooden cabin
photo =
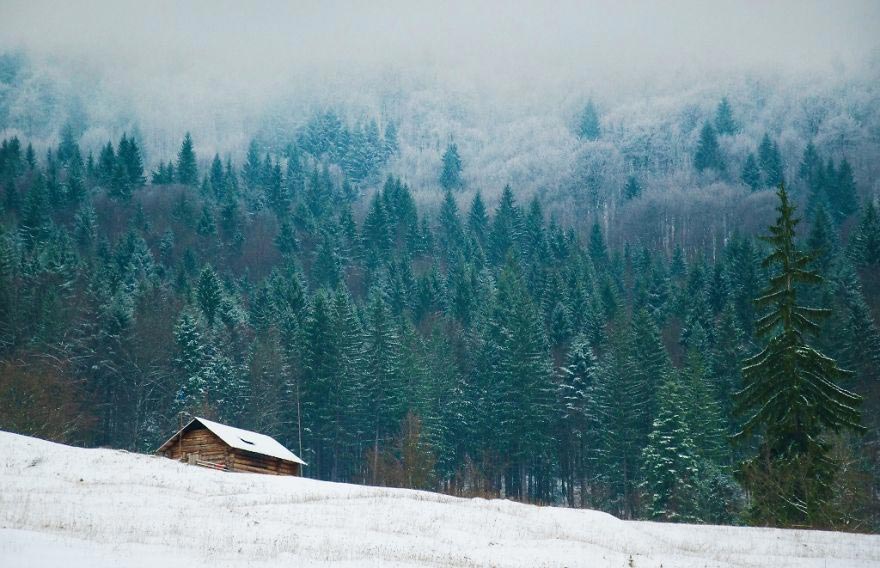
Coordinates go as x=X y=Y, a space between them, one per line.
x=210 y=444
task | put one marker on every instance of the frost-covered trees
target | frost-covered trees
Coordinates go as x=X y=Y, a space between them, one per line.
x=186 y=171
x=724 y=121
x=751 y=173
x=492 y=350
x=580 y=421
x=671 y=459
x=864 y=247
x=633 y=188
x=708 y=154
x=588 y=127
x=450 y=173
x=770 y=162
x=209 y=295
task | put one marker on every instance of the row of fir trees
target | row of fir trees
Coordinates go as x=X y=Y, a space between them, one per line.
x=458 y=350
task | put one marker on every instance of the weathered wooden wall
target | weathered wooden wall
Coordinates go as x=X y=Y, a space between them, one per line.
x=256 y=463
x=199 y=441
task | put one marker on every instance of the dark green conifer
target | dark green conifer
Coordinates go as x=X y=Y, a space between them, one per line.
x=724 y=121
x=790 y=395
x=708 y=154
x=588 y=124
x=186 y=170
x=450 y=175
x=751 y=173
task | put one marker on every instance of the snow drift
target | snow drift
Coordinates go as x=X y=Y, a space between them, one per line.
x=75 y=507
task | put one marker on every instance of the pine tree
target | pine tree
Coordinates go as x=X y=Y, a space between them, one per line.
x=134 y=163
x=588 y=124
x=209 y=294
x=286 y=239
x=450 y=235
x=624 y=421
x=478 y=220
x=216 y=176
x=106 y=164
x=770 y=161
x=650 y=364
x=320 y=368
x=580 y=418
x=345 y=405
x=821 y=243
x=751 y=173
x=86 y=226
x=206 y=224
x=598 y=251
x=76 y=188
x=861 y=351
x=633 y=188
x=30 y=156
x=35 y=218
x=450 y=175
x=377 y=230
x=810 y=166
x=845 y=197
x=391 y=146
x=522 y=375
x=724 y=122
x=789 y=394
x=68 y=148
x=725 y=362
x=296 y=176
x=186 y=171
x=382 y=372
x=708 y=154
x=506 y=227
x=231 y=178
x=326 y=270
x=671 y=464
x=864 y=245
x=704 y=416
x=190 y=362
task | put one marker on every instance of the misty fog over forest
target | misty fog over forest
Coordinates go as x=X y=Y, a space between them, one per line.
x=484 y=248
x=507 y=85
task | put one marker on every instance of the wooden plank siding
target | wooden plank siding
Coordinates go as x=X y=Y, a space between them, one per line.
x=203 y=445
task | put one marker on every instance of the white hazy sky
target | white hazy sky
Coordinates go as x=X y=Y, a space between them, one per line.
x=221 y=66
x=500 y=39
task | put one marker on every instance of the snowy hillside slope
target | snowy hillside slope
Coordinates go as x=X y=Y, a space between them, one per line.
x=100 y=508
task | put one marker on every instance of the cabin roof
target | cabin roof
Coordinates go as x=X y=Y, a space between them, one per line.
x=242 y=440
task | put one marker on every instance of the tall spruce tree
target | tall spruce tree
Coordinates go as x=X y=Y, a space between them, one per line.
x=209 y=294
x=751 y=173
x=708 y=154
x=450 y=174
x=864 y=244
x=724 y=121
x=770 y=160
x=633 y=188
x=187 y=170
x=588 y=127
x=845 y=199
x=670 y=458
x=790 y=396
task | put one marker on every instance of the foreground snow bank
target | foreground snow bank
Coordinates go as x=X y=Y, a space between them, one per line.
x=105 y=508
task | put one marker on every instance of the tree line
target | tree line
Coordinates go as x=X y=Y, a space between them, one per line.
x=461 y=350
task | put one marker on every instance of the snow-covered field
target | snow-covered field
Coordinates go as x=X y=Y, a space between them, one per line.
x=63 y=506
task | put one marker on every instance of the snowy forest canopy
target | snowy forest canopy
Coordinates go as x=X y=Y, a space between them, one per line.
x=413 y=279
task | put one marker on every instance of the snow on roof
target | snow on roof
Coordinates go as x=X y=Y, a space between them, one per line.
x=247 y=440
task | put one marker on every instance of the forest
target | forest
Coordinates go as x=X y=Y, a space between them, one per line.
x=496 y=347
